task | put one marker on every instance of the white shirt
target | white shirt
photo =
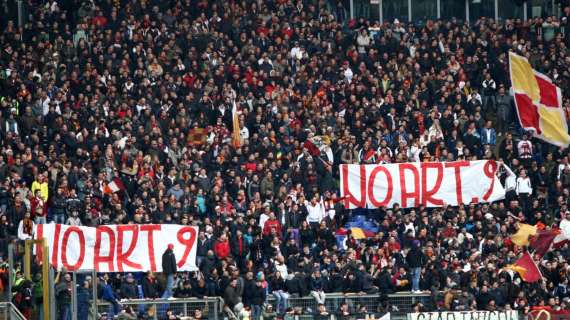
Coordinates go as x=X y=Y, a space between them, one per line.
x=510 y=183
x=561 y=168
x=316 y=212
x=296 y=53
x=244 y=133
x=523 y=185
x=262 y=219
x=282 y=268
x=45 y=106
x=348 y=74
x=410 y=227
x=414 y=153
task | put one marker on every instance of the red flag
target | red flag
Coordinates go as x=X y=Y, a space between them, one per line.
x=526 y=268
x=313 y=150
x=542 y=242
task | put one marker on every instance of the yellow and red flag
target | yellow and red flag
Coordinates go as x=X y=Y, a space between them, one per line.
x=521 y=238
x=526 y=268
x=538 y=102
x=236 y=138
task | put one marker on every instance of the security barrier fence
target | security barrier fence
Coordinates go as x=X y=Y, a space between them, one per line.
x=9 y=312
x=159 y=308
x=212 y=308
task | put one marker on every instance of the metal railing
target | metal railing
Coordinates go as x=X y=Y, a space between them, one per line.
x=398 y=304
x=9 y=312
x=157 y=308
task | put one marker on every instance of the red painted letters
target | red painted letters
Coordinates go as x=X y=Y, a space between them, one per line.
x=64 y=243
x=151 y=228
x=349 y=197
x=98 y=259
x=458 y=186
x=430 y=184
x=371 y=182
x=415 y=195
x=187 y=242
x=428 y=195
x=123 y=257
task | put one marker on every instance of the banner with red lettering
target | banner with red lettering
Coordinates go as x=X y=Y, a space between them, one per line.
x=118 y=248
x=431 y=184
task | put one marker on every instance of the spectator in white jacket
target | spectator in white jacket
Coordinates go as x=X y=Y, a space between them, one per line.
x=363 y=41
x=524 y=190
x=316 y=211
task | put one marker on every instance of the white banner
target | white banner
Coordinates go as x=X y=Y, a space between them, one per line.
x=118 y=248
x=431 y=184
x=465 y=315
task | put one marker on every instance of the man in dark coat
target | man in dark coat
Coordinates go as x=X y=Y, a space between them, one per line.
x=239 y=249
x=415 y=261
x=169 y=269
x=129 y=288
x=150 y=286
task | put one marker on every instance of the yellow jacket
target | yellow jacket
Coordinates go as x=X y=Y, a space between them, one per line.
x=43 y=187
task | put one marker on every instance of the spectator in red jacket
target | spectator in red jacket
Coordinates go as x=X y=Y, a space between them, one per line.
x=222 y=247
x=272 y=222
x=38 y=208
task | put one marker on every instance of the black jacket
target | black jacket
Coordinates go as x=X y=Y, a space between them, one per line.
x=298 y=285
x=150 y=288
x=58 y=204
x=183 y=292
x=129 y=290
x=248 y=289
x=255 y=295
x=234 y=247
x=168 y=262
x=414 y=258
x=204 y=246
x=208 y=264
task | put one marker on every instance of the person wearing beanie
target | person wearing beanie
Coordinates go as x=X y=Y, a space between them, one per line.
x=169 y=269
x=414 y=260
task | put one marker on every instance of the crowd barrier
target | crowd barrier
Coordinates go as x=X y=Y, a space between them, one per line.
x=157 y=308
x=398 y=305
x=9 y=312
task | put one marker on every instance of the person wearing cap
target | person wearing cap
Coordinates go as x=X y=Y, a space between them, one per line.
x=415 y=259
x=129 y=288
x=169 y=269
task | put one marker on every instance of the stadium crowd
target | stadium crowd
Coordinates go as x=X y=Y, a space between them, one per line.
x=143 y=91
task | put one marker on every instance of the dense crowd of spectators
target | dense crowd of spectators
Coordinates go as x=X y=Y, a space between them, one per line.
x=120 y=89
